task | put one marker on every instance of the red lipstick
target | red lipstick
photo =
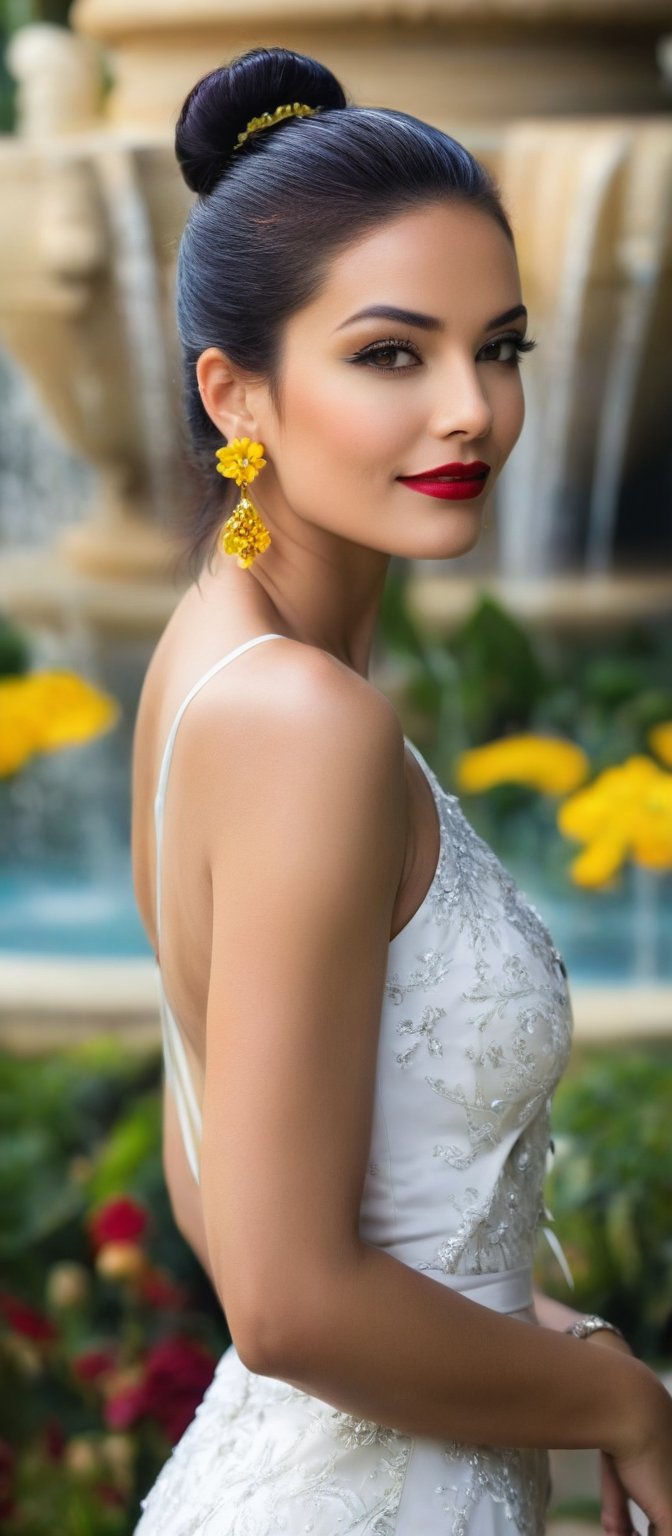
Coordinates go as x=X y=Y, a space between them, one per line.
x=451 y=482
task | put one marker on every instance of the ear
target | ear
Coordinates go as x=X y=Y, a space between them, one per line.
x=223 y=389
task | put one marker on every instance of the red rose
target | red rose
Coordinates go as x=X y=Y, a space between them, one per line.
x=126 y=1406
x=26 y=1320
x=159 y=1289
x=53 y=1439
x=118 y=1221
x=93 y=1363
x=7 y=1462
x=108 y=1494
x=178 y=1372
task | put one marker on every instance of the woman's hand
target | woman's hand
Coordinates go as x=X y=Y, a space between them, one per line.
x=614 y=1514
x=641 y=1470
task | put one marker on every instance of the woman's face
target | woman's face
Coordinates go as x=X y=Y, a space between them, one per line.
x=365 y=401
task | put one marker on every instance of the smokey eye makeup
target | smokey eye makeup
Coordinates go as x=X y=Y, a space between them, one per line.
x=368 y=355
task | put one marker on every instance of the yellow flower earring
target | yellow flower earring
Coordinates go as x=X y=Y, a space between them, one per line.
x=243 y=534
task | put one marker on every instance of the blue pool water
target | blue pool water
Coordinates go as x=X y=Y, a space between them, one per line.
x=59 y=912
x=604 y=937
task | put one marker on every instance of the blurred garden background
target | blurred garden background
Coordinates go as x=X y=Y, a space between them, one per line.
x=535 y=673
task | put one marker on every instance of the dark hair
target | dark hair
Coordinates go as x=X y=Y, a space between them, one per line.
x=270 y=217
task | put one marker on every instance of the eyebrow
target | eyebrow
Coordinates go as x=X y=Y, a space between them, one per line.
x=424 y=322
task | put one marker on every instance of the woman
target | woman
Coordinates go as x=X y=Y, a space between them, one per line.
x=372 y=1018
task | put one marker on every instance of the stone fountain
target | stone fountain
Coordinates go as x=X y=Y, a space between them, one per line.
x=567 y=101
x=567 y=104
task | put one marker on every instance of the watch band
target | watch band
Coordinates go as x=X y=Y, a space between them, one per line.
x=584 y=1326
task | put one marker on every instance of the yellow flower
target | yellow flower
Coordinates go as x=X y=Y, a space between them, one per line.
x=543 y=762
x=47 y=710
x=241 y=460
x=18 y=728
x=599 y=862
x=660 y=739
x=625 y=812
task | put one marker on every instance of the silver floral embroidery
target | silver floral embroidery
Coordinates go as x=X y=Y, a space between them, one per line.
x=262 y=1457
x=499 y=1230
x=517 y=1478
x=473 y=1209
x=474 y=888
x=351 y=1431
x=425 y=1029
x=432 y=969
x=512 y=984
x=490 y=1055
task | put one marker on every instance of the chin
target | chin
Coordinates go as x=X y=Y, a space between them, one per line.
x=459 y=542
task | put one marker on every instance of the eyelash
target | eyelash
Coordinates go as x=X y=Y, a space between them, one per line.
x=521 y=344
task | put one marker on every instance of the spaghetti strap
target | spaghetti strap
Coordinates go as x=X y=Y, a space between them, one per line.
x=174 y=1053
x=160 y=796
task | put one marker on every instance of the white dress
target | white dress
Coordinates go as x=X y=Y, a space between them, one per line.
x=475 y=1033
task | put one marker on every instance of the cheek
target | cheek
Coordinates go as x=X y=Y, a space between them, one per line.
x=342 y=420
x=512 y=409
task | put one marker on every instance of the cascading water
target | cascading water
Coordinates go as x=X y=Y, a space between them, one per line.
x=535 y=533
x=44 y=485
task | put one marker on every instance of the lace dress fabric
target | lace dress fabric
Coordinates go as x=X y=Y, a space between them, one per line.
x=475 y=1033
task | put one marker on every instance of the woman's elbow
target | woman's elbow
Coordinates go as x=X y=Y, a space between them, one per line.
x=271 y=1339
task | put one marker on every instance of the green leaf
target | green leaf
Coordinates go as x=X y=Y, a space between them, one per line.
x=122 y=1156
x=501 y=676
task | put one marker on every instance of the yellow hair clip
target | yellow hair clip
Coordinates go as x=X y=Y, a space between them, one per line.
x=268 y=119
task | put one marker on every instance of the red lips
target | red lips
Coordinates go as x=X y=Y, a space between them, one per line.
x=451 y=482
x=460 y=471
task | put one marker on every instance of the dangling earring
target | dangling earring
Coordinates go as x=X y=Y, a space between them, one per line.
x=243 y=534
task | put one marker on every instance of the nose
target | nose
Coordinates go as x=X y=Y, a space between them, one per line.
x=464 y=404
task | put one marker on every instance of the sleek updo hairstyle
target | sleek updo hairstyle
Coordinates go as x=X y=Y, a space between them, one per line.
x=270 y=217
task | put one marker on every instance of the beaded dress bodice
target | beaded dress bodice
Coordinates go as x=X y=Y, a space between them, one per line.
x=476 y=1032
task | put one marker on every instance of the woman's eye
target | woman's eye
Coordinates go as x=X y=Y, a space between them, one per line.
x=517 y=343
x=382 y=350
x=386 y=349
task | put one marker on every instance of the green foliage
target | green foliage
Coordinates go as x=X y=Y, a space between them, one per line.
x=609 y=700
x=501 y=677
x=491 y=677
x=22 y=13
x=81 y=1129
x=15 y=649
x=609 y=1191
x=604 y=695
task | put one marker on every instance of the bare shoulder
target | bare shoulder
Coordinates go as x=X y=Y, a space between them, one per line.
x=296 y=730
x=275 y=682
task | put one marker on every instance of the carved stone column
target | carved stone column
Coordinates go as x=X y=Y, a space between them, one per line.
x=86 y=303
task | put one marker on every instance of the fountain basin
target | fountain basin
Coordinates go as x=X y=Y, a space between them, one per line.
x=74 y=959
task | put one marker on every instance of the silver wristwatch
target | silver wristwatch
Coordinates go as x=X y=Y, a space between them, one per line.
x=584 y=1326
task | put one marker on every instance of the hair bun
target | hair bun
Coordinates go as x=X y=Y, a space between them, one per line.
x=221 y=104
